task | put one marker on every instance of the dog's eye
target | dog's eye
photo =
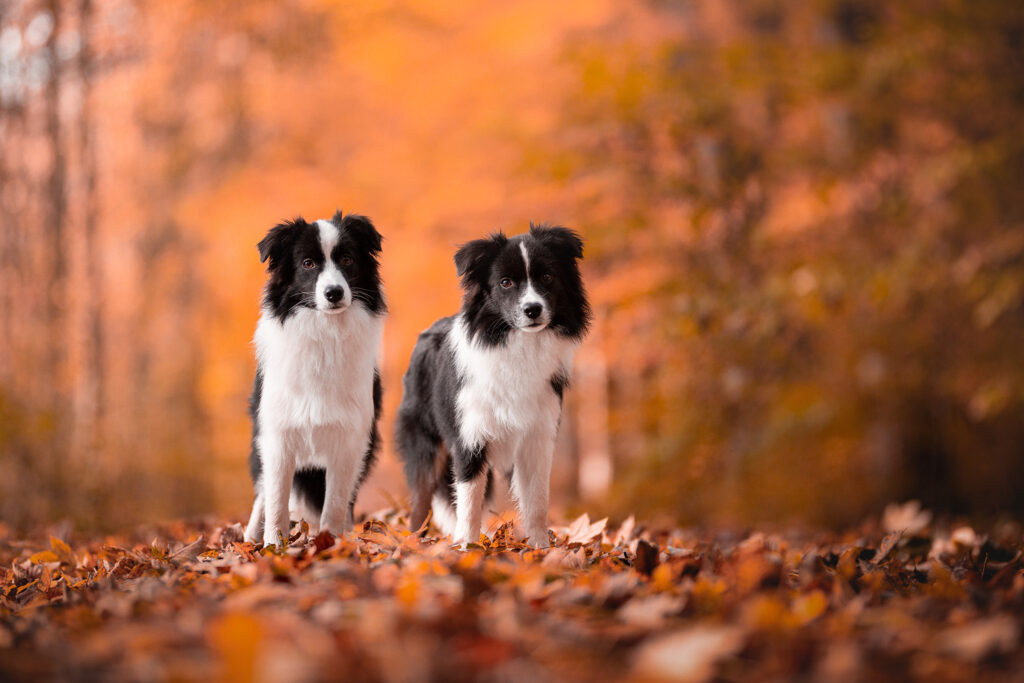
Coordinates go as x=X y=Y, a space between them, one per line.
x=505 y=283
x=308 y=263
x=345 y=260
x=546 y=278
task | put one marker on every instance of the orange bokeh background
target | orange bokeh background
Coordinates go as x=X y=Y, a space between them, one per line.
x=803 y=237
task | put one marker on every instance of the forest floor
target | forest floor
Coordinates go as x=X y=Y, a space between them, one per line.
x=895 y=599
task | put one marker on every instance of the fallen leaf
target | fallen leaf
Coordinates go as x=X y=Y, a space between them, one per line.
x=888 y=543
x=809 y=607
x=581 y=530
x=62 y=549
x=907 y=518
x=646 y=557
x=651 y=611
x=975 y=641
x=625 y=532
x=688 y=655
x=44 y=556
x=323 y=541
x=236 y=639
x=189 y=552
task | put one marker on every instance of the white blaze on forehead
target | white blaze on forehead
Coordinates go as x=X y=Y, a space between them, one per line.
x=530 y=294
x=329 y=236
x=526 y=258
x=330 y=276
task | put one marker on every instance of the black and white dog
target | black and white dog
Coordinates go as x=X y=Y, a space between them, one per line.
x=316 y=399
x=484 y=388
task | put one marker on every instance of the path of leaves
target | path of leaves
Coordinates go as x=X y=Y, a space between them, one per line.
x=897 y=600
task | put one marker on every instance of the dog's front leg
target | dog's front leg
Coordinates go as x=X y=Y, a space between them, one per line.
x=531 y=484
x=470 y=467
x=343 y=456
x=336 y=516
x=278 y=470
x=254 y=530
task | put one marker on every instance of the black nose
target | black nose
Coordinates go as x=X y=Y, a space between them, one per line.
x=334 y=294
x=532 y=310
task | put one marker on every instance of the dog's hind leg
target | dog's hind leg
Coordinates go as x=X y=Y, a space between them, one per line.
x=420 y=508
x=418 y=447
x=471 y=476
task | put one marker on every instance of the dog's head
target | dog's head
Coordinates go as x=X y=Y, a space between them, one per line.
x=326 y=265
x=528 y=283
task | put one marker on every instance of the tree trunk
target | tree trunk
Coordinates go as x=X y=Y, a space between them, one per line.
x=54 y=229
x=91 y=388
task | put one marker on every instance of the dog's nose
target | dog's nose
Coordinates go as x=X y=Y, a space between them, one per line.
x=532 y=310
x=334 y=294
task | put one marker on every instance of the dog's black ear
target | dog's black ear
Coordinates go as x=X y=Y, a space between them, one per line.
x=563 y=240
x=473 y=259
x=361 y=228
x=279 y=241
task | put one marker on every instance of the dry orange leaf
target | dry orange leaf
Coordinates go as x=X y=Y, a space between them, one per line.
x=44 y=556
x=807 y=608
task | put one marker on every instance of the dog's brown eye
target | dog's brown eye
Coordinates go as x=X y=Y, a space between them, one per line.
x=546 y=278
x=505 y=283
x=345 y=260
x=308 y=263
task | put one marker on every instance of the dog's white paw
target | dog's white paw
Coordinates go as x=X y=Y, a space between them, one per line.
x=275 y=539
x=539 y=538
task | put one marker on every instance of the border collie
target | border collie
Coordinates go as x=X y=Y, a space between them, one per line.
x=483 y=391
x=316 y=398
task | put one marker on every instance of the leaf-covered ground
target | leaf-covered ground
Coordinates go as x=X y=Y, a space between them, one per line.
x=897 y=599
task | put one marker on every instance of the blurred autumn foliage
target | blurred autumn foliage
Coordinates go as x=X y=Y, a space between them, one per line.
x=806 y=233
x=803 y=222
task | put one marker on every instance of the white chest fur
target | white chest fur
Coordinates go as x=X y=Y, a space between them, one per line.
x=507 y=390
x=318 y=369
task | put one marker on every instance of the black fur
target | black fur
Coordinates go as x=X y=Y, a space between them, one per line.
x=558 y=384
x=255 y=463
x=427 y=429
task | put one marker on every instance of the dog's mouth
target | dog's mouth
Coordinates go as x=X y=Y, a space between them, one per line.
x=534 y=326
x=335 y=309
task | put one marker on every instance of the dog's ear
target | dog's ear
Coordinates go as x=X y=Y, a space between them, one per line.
x=278 y=242
x=361 y=228
x=563 y=240
x=473 y=259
